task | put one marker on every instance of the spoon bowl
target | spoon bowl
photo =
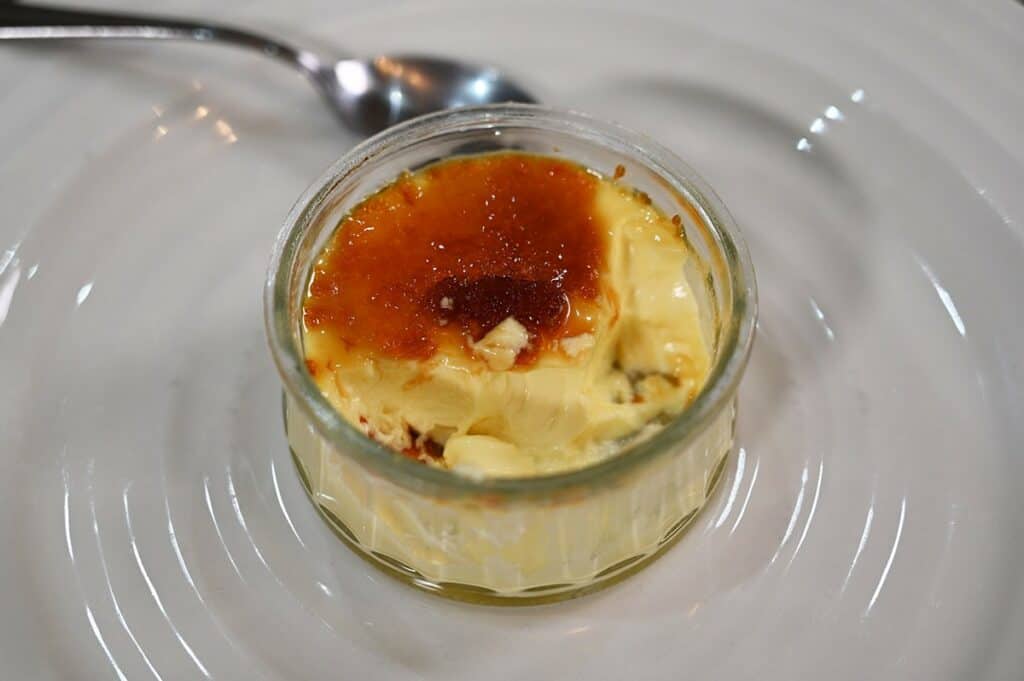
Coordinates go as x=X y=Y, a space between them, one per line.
x=374 y=94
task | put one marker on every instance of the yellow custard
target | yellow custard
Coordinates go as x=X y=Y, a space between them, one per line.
x=505 y=315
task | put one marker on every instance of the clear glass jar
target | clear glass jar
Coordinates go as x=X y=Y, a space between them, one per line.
x=532 y=539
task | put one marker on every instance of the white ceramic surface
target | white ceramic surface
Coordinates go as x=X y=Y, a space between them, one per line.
x=151 y=521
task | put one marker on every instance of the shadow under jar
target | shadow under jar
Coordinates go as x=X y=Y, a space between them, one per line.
x=515 y=540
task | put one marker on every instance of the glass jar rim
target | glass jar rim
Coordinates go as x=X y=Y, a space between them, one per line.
x=719 y=388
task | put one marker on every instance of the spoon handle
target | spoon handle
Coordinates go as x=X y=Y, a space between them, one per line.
x=47 y=22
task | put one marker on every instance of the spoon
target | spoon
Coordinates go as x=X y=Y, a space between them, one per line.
x=367 y=94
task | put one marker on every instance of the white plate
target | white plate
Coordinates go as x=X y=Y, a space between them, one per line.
x=869 y=526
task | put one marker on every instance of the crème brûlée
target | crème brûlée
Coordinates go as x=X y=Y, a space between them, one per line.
x=505 y=315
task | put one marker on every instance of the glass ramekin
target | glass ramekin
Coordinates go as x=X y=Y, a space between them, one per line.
x=522 y=540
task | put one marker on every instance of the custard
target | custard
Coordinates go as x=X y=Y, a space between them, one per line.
x=505 y=315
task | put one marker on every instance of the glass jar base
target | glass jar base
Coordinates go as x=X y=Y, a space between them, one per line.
x=538 y=595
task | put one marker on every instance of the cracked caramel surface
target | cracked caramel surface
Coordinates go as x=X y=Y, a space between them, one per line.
x=440 y=258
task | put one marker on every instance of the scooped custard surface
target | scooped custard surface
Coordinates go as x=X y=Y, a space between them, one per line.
x=505 y=315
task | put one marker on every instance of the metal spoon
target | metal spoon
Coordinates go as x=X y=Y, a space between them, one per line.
x=369 y=95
